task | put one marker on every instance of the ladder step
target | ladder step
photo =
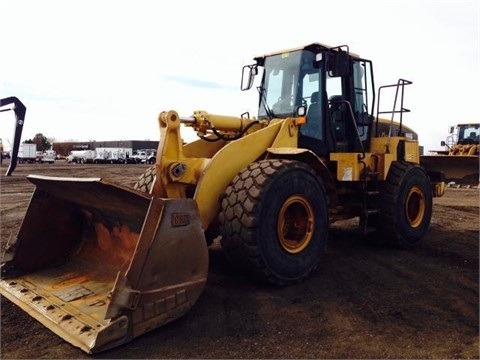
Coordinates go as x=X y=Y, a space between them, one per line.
x=372 y=211
x=373 y=192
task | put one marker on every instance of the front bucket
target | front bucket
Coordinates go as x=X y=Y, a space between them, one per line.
x=100 y=264
x=460 y=169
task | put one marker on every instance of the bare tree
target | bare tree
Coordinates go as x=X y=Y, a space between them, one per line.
x=42 y=142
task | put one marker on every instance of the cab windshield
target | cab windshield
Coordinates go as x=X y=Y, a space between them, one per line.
x=289 y=80
x=468 y=133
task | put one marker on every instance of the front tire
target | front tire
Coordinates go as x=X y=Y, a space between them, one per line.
x=406 y=204
x=274 y=221
x=146 y=180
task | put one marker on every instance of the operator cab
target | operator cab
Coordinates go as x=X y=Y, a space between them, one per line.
x=332 y=87
x=468 y=134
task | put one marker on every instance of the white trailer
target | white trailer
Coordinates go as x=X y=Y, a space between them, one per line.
x=113 y=155
x=101 y=155
x=120 y=155
x=27 y=153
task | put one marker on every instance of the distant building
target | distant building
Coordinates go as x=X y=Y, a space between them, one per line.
x=134 y=144
x=63 y=148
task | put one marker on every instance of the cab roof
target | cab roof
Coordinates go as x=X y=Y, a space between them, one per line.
x=315 y=47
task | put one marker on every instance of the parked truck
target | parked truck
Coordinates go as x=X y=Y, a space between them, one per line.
x=49 y=156
x=145 y=156
x=27 y=153
x=81 y=156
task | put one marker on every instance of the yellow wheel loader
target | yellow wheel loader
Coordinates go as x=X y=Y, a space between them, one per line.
x=117 y=262
x=460 y=158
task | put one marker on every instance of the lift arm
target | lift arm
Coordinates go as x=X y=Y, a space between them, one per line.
x=19 y=109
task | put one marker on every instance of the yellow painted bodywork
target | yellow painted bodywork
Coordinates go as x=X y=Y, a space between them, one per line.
x=227 y=162
x=212 y=165
x=383 y=151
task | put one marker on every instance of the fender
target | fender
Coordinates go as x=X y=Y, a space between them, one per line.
x=310 y=158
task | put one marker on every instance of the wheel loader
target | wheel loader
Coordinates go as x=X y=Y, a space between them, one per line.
x=117 y=261
x=460 y=158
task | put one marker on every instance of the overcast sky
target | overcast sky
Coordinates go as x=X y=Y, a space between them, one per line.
x=103 y=70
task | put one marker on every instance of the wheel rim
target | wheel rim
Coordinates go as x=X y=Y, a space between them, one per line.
x=295 y=225
x=415 y=206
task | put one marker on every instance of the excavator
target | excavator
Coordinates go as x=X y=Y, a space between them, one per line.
x=117 y=262
x=459 y=159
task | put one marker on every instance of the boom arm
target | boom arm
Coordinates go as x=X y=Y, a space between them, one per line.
x=204 y=122
x=19 y=109
x=209 y=166
x=173 y=167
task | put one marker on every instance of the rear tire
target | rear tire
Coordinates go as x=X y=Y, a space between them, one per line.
x=274 y=221
x=406 y=204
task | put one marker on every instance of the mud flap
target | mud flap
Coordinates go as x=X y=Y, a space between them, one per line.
x=100 y=264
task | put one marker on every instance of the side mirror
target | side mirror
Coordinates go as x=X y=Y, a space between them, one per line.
x=443 y=143
x=248 y=75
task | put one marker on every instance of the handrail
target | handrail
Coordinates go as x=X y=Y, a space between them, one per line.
x=400 y=84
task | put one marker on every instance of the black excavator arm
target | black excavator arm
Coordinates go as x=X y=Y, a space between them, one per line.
x=19 y=109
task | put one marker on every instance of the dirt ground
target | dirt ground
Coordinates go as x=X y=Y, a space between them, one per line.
x=364 y=301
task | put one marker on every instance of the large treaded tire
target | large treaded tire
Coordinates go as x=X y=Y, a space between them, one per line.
x=274 y=221
x=146 y=180
x=406 y=204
